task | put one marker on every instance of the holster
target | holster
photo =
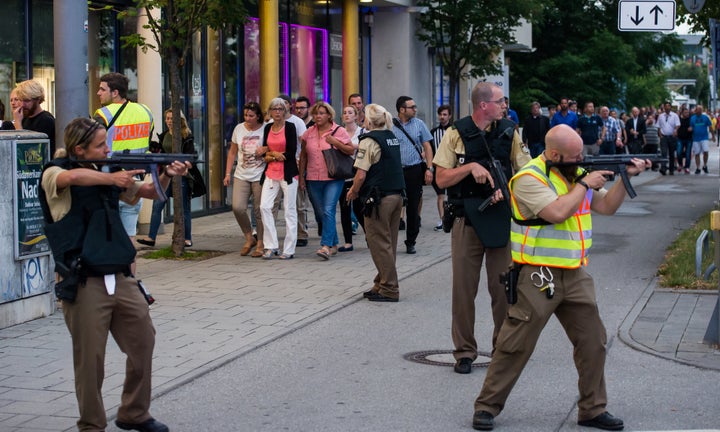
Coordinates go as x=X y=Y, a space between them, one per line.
x=67 y=288
x=510 y=280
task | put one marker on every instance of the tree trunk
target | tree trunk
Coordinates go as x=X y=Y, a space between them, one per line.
x=176 y=89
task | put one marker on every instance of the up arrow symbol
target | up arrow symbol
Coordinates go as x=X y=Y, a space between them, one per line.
x=656 y=10
x=637 y=20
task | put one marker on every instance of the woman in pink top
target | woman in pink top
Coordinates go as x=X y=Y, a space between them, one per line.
x=324 y=191
x=281 y=173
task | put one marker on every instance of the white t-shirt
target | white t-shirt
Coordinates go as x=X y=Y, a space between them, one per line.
x=250 y=166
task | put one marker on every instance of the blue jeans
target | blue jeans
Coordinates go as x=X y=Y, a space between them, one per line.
x=324 y=196
x=684 y=152
x=158 y=207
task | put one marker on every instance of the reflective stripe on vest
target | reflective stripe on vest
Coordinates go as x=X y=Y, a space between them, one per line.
x=564 y=245
x=131 y=131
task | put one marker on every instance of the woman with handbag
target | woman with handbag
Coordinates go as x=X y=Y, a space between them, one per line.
x=318 y=142
x=164 y=145
x=246 y=146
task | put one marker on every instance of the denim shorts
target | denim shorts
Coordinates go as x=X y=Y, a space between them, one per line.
x=129 y=216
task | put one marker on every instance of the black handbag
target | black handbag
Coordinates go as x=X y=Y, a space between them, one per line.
x=339 y=164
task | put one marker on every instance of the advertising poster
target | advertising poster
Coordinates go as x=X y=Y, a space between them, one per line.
x=30 y=157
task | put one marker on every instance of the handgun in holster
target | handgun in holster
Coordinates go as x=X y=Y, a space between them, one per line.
x=66 y=289
x=510 y=280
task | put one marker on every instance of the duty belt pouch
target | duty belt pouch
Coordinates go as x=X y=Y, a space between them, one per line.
x=448 y=216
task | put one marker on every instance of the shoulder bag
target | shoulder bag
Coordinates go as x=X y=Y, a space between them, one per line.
x=423 y=162
x=339 y=164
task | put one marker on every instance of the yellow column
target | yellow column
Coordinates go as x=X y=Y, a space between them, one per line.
x=269 y=52
x=351 y=49
x=216 y=169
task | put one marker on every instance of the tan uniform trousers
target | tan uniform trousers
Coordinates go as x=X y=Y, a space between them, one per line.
x=575 y=307
x=467 y=259
x=381 y=233
x=126 y=315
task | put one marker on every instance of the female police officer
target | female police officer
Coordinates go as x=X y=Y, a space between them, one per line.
x=380 y=184
x=93 y=255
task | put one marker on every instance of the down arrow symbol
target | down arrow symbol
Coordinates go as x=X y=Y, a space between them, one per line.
x=637 y=20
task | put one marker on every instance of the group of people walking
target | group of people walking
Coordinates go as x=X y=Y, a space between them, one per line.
x=681 y=135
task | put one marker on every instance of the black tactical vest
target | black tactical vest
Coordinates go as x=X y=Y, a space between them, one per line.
x=492 y=225
x=90 y=239
x=387 y=174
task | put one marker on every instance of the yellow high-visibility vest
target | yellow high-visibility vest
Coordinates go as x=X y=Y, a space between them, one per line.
x=563 y=245
x=131 y=131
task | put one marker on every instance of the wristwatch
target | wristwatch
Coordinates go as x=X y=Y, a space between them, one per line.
x=431 y=169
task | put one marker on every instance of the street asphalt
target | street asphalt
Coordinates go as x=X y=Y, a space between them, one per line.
x=245 y=344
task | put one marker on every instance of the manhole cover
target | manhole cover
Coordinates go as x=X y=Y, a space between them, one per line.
x=444 y=358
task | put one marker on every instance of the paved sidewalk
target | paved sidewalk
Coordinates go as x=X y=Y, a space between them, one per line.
x=206 y=314
x=211 y=312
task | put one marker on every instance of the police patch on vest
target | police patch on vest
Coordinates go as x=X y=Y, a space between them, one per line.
x=360 y=154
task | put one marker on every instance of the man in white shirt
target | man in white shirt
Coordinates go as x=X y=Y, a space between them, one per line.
x=668 y=123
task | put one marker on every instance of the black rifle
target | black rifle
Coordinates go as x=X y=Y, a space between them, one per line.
x=498 y=174
x=145 y=161
x=615 y=163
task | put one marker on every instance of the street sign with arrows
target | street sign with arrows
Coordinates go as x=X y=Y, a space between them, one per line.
x=646 y=15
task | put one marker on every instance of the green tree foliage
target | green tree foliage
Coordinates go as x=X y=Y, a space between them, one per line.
x=172 y=39
x=581 y=55
x=684 y=70
x=467 y=35
x=699 y=22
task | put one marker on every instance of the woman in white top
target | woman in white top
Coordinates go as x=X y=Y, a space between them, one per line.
x=349 y=118
x=247 y=147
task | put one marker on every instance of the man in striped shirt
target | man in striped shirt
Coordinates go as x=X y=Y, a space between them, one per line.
x=444 y=113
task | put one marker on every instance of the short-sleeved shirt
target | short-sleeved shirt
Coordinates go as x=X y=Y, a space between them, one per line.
x=701 y=125
x=60 y=201
x=589 y=127
x=668 y=123
x=452 y=145
x=315 y=143
x=250 y=166
x=368 y=154
x=532 y=196
x=570 y=119
x=420 y=134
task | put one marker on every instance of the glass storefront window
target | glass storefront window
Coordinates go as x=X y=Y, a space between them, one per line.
x=309 y=62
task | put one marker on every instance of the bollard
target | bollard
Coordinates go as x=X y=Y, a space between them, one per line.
x=712 y=334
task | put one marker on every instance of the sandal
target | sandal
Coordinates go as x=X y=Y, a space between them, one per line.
x=249 y=244
x=285 y=256
x=257 y=253
x=324 y=253
x=269 y=254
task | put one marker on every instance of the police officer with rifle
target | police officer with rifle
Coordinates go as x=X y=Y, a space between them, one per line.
x=92 y=255
x=478 y=213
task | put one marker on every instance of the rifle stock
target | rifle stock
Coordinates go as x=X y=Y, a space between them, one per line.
x=615 y=163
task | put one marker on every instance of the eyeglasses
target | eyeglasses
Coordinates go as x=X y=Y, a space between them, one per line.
x=301 y=108
x=277 y=109
x=499 y=101
x=414 y=107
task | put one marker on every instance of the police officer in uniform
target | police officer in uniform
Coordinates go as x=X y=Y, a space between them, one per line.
x=463 y=162
x=129 y=127
x=93 y=254
x=550 y=238
x=380 y=184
